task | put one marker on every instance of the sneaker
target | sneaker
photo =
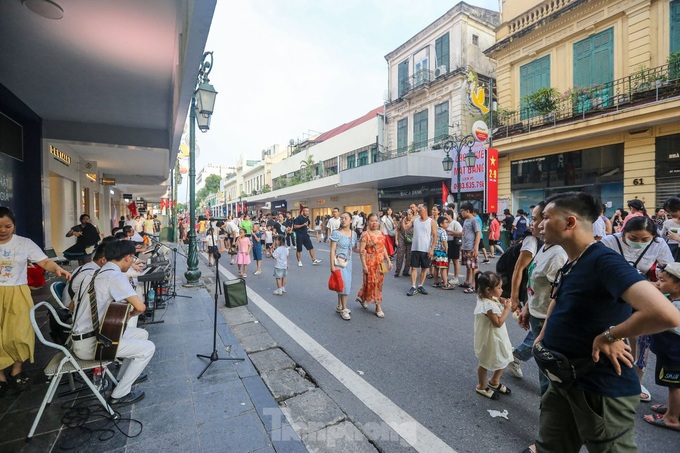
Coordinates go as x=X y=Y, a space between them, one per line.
x=454 y=282
x=486 y=261
x=257 y=273
x=421 y=290
x=345 y=314
x=299 y=263
x=132 y=397
x=277 y=292
x=339 y=309
x=515 y=368
x=412 y=290
x=283 y=289
x=315 y=262
x=232 y=262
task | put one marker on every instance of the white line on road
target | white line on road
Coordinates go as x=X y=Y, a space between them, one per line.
x=417 y=435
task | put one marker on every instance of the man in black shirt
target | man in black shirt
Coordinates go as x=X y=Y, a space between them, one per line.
x=288 y=223
x=300 y=226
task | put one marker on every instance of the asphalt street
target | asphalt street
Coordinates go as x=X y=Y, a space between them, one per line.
x=420 y=356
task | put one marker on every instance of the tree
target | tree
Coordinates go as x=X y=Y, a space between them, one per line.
x=181 y=207
x=212 y=184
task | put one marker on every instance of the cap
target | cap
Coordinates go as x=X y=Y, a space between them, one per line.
x=673 y=269
x=637 y=204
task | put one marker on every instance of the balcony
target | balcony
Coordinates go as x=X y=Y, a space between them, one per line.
x=644 y=87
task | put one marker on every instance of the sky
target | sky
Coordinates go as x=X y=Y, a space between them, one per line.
x=284 y=69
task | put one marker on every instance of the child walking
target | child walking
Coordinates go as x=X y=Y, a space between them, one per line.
x=243 y=244
x=666 y=346
x=257 y=238
x=440 y=259
x=281 y=266
x=268 y=241
x=492 y=344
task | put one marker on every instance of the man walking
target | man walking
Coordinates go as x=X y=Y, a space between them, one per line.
x=422 y=249
x=300 y=226
x=333 y=223
x=589 y=318
x=472 y=235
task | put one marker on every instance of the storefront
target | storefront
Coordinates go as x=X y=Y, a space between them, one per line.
x=400 y=198
x=667 y=171
x=598 y=171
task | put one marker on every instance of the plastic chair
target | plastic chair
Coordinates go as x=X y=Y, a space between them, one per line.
x=57 y=289
x=63 y=363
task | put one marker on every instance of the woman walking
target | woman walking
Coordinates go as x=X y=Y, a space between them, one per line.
x=373 y=254
x=388 y=229
x=343 y=241
x=403 y=240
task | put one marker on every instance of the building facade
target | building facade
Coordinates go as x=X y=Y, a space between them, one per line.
x=588 y=94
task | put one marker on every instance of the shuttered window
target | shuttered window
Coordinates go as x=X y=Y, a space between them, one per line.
x=403 y=84
x=402 y=135
x=675 y=26
x=441 y=121
x=441 y=48
x=533 y=76
x=420 y=129
x=594 y=66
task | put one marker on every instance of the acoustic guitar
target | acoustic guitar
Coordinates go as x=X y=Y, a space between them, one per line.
x=112 y=328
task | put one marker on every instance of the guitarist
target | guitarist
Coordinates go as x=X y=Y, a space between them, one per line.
x=109 y=285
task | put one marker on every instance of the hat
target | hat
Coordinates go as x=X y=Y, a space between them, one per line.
x=673 y=269
x=637 y=204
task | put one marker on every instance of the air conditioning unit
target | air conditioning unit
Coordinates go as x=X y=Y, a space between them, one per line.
x=440 y=71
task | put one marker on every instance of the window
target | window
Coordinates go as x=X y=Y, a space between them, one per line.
x=441 y=121
x=363 y=158
x=420 y=129
x=403 y=84
x=351 y=161
x=594 y=65
x=675 y=26
x=374 y=155
x=533 y=76
x=475 y=40
x=441 y=50
x=402 y=135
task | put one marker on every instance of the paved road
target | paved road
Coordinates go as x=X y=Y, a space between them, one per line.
x=420 y=357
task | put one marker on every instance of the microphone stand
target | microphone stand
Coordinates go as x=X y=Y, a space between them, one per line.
x=213 y=357
x=173 y=294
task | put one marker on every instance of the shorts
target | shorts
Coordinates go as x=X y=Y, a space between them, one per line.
x=667 y=372
x=440 y=259
x=280 y=273
x=212 y=249
x=468 y=261
x=303 y=240
x=268 y=245
x=420 y=260
x=453 y=250
x=481 y=245
x=492 y=242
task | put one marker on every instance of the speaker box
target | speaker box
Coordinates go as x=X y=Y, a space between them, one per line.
x=235 y=293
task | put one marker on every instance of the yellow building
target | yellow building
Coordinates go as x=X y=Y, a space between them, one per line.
x=589 y=99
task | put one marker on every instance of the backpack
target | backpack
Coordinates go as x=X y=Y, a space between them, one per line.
x=505 y=266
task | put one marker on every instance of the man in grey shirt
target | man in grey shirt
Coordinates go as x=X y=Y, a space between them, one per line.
x=472 y=234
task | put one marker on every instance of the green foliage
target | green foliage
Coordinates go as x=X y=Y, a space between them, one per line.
x=544 y=100
x=181 y=207
x=674 y=65
x=266 y=188
x=212 y=183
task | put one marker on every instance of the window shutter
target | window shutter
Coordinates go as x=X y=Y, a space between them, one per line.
x=533 y=76
x=403 y=78
x=441 y=47
x=675 y=26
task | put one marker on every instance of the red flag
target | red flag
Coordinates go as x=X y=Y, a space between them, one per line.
x=133 y=209
x=445 y=193
x=492 y=178
x=165 y=203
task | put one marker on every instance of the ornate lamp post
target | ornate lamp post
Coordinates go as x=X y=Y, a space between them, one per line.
x=470 y=158
x=202 y=105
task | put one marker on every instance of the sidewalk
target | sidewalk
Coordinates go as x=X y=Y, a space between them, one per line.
x=230 y=409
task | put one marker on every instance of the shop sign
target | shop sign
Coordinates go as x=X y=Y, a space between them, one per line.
x=91 y=176
x=108 y=181
x=471 y=179
x=320 y=201
x=480 y=131
x=280 y=205
x=60 y=156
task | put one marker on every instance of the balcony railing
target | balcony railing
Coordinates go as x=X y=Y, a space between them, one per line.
x=645 y=86
x=420 y=78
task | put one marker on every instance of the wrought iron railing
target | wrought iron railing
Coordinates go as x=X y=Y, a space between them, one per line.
x=644 y=86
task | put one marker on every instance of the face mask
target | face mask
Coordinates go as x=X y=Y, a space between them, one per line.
x=638 y=245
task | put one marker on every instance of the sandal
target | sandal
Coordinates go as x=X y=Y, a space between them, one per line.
x=487 y=392
x=430 y=276
x=339 y=309
x=658 y=408
x=344 y=314
x=500 y=388
x=468 y=290
x=396 y=275
x=361 y=302
x=447 y=286
x=20 y=382
x=380 y=314
x=645 y=396
x=660 y=422
x=437 y=285
x=464 y=285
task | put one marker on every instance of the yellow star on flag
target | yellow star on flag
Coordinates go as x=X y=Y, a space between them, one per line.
x=493 y=161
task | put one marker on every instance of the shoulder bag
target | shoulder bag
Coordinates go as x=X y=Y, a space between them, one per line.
x=341 y=260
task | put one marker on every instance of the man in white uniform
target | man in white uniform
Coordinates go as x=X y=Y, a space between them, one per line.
x=111 y=285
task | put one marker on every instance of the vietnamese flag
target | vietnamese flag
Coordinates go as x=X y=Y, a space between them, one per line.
x=133 y=209
x=445 y=193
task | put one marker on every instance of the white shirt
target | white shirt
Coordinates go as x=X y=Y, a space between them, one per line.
x=281 y=255
x=77 y=277
x=455 y=226
x=269 y=237
x=542 y=271
x=672 y=226
x=333 y=224
x=110 y=285
x=657 y=252
x=422 y=235
x=14 y=256
x=599 y=228
x=529 y=244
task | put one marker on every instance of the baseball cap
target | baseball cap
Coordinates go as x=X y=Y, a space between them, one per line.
x=637 y=204
x=672 y=268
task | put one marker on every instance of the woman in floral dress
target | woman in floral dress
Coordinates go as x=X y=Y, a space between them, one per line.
x=373 y=252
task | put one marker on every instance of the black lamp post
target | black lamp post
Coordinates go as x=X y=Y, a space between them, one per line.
x=470 y=158
x=202 y=105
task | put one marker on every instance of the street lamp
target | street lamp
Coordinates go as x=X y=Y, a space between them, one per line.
x=202 y=104
x=470 y=158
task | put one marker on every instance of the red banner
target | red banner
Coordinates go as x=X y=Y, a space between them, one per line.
x=492 y=180
x=133 y=209
x=445 y=193
x=165 y=203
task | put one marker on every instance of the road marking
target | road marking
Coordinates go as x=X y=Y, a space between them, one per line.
x=417 y=435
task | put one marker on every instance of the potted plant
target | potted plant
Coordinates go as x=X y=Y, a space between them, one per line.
x=542 y=101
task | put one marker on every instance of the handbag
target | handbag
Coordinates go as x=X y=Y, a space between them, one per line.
x=558 y=368
x=341 y=261
x=383 y=268
x=232 y=250
x=335 y=282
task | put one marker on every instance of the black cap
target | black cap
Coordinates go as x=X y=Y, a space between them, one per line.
x=637 y=204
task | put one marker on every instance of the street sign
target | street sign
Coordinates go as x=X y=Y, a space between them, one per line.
x=480 y=131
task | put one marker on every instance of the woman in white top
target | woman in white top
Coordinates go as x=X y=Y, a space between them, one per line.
x=639 y=244
x=387 y=227
x=18 y=339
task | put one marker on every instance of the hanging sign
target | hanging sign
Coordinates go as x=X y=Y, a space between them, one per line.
x=471 y=179
x=480 y=131
x=492 y=180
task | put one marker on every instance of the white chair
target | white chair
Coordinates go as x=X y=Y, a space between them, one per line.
x=57 y=290
x=64 y=363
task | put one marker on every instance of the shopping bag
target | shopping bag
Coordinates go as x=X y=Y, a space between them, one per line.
x=335 y=282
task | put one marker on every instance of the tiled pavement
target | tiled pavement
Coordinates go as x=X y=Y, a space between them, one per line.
x=229 y=409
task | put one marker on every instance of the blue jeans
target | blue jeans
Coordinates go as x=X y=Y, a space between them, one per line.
x=523 y=351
